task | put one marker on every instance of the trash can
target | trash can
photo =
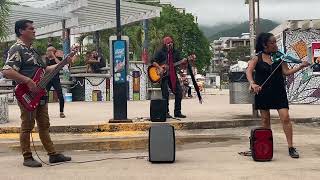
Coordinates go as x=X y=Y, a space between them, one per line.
x=4 y=111
x=238 y=88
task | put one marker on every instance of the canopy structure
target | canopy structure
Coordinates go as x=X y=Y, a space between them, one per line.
x=80 y=16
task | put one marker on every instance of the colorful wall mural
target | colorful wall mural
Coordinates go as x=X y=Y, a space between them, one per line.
x=304 y=86
x=3 y=109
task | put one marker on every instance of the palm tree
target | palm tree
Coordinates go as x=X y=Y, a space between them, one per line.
x=135 y=34
x=4 y=12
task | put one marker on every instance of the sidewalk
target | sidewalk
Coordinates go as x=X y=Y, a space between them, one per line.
x=211 y=113
x=213 y=159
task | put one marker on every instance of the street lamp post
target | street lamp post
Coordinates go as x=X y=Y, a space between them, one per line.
x=252 y=28
x=119 y=73
x=118 y=17
x=258 y=29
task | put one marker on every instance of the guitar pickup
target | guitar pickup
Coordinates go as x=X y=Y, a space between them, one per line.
x=26 y=97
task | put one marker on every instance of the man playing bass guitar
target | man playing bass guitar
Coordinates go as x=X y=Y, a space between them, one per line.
x=167 y=56
x=22 y=64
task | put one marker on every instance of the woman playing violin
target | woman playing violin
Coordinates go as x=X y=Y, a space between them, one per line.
x=269 y=85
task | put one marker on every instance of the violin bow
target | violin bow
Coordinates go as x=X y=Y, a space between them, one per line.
x=271 y=74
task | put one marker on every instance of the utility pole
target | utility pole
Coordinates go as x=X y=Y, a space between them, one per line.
x=252 y=28
x=258 y=28
x=119 y=71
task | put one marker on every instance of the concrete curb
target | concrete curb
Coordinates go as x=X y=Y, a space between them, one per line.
x=127 y=143
x=144 y=126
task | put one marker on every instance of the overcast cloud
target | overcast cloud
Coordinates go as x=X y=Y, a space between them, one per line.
x=211 y=12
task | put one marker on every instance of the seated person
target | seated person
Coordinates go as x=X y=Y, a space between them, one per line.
x=101 y=59
x=92 y=62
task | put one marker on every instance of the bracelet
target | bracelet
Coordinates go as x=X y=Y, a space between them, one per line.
x=251 y=82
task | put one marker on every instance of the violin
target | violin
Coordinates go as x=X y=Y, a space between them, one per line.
x=281 y=57
x=278 y=56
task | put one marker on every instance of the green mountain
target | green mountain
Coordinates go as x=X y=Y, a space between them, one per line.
x=215 y=32
x=211 y=30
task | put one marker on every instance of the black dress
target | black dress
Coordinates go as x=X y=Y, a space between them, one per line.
x=273 y=94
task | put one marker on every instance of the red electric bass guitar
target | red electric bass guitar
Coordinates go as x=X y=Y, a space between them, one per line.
x=31 y=100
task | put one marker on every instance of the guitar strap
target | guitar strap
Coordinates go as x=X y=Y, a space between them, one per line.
x=172 y=73
x=38 y=58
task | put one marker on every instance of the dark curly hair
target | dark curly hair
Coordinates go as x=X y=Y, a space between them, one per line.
x=262 y=40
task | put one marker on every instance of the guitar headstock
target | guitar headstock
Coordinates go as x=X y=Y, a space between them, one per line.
x=71 y=56
x=75 y=47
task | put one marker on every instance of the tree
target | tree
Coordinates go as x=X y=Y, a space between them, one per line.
x=185 y=32
x=181 y=26
x=41 y=45
x=4 y=12
x=135 y=34
x=240 y=53
x=104 y=42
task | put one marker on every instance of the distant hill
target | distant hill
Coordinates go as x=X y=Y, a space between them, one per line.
x=233 y=29
x=211 y=30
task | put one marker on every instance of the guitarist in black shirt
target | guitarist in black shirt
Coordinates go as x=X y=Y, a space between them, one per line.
x=167 y=56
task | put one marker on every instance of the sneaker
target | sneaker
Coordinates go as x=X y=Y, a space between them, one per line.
x=55 y=158
x=30 y=162
x=293 y=152
x=62 y=115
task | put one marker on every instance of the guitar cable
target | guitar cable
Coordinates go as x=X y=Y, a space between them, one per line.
x=80 y=162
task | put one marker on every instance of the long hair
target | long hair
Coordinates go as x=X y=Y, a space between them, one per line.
x=262 y=41
x=164 y=46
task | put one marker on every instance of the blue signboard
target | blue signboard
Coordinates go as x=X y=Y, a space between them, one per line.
x=119 y=61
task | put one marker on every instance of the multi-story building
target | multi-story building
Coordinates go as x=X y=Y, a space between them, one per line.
x=219 y=63
x=222 y=46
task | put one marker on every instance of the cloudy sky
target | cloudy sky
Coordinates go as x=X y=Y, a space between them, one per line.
x=211 y=12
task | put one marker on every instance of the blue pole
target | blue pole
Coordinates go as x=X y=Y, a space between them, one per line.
x=145 y=51
x=66 y=48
